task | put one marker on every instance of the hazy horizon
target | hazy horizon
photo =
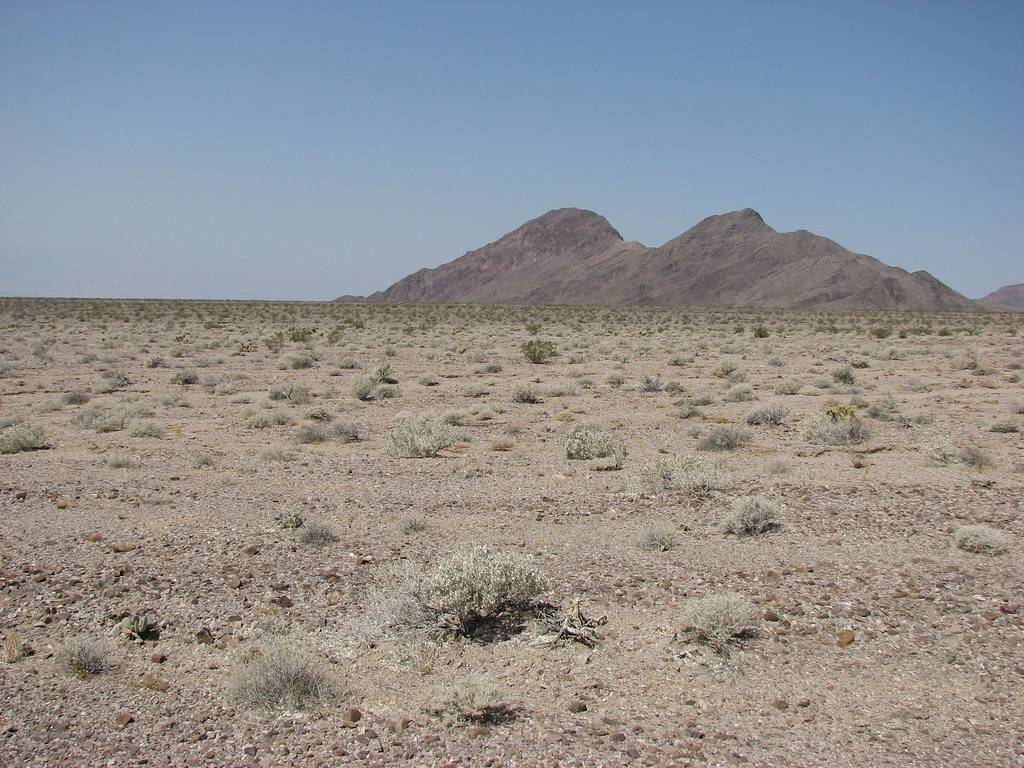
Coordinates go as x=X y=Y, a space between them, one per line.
x=281 y=152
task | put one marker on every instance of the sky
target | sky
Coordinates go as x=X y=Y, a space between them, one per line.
x=304 y=150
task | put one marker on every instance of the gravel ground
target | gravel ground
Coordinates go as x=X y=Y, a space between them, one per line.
x=879 y=642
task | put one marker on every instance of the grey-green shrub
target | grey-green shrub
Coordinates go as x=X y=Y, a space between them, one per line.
x=421 y=436
x=281 y=675
x=718 y=619
x=750 y=515
x=589 y=441
x=21 y=437
x=981 y=540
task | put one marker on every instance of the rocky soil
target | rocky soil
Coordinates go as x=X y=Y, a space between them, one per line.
x=879 y=642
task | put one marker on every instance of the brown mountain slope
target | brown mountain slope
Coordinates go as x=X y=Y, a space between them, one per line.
x=571 y=256
x=1007 y=297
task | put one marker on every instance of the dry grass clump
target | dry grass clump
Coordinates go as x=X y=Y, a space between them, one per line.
x=974 y=457
x=692 y=474
x=22 y=437
x=317 y=534
x=726 y=438
x=527 y=395
x=833 y=429
x=981 y=540
x=716 y=620
x=750 y=515
x=148 y=429
x=771 y=415
x=656 y=540
x=477 y=699
x=86 y=657
x=788 y=387
x=280 y=674
x=422 y=435
x=589 y=441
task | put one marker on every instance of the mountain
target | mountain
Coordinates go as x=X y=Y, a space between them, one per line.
x=572 y=256
x=1008 y=297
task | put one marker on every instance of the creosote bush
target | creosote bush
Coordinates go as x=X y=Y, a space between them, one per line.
x=422 y=436
x=538 y=350
x=750 y=515
x=589 y=441
x=981 y=540
x=771 y=415
x=716 y=620
x=836 y=428
x=281 y=675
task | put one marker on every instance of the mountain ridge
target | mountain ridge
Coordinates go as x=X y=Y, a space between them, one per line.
x=575 y=256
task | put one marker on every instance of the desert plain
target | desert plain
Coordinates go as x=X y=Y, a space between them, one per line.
x=231 y=532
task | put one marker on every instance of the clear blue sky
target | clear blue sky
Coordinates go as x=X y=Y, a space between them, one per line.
x=301 y=150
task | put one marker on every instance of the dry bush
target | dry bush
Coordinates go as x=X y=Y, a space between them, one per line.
x=726 y=438
x=716 y=620
x=656 y=540
x=974 y=457
x=421 y=436
x=827 y=429
x=692 y=474
x=589 y=441
x=317 y=534
x=22 y=437
x=771 y=415
x=475 y=699
x=280 y=674
x=749 y=515
x=981 y=540
x=86 y=657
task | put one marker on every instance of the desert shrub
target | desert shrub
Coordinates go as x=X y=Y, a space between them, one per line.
x=349 y=364
x=831 y=429
x=479 y=584
x=974 y=457
x=651 y=384
x=884 y=410
x=749 y=515
x=788 y=387
x=777 y=467
x=428 y=380
x=739 y=393
x=268 y=420
x=727 y=438
x=111 y=381
x=475 y=390
x=345 y=432
x=981 y=540
x=843 y=375
x=310 y=434
x=680 y=474
x=718 y=619
x=86 y=657
x=538 y=350
x=317 y=534
x=297 y=362
x=525 y=394
x=455 y=418
x=760 y=332
x=281 y=675
x=320 y=415
x=362 y=387
x=475 y=699
x=421 y=436
x=589 y=441
x=102 y=421
x=656 y=540
x=185 y=378
x=725 y=369
x=75 y=398
x=121 y=461
x=21 y=437
x=1004 y=427
x=772 y=415
x=301 y=334
x=413 y=524
x=385 y=374
x=147 y=429
x=615 y=380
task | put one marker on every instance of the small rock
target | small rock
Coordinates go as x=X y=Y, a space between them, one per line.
x=771 y=616
x=233 y=581
x=282 y=601
x=577 y=706
x=353 y=715
x=203 y=636
x=61 y=504
x=781 y=704
x=158 y=658
x=478 y=731
x=250 y=750
x=845 y=637
x=122 y=719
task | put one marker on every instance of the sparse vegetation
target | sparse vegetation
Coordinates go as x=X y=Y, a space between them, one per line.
x=719 y=619
x=751 y=515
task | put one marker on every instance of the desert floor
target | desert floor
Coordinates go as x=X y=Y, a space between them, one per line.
x=178 y=440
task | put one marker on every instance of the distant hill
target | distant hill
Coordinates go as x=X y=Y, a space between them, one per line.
x=573 y=256
x=1007 y=297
